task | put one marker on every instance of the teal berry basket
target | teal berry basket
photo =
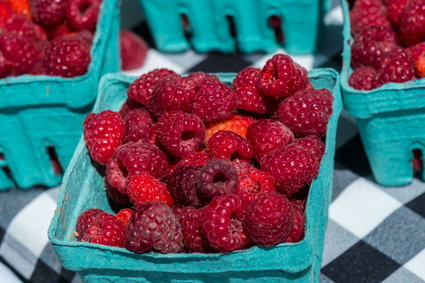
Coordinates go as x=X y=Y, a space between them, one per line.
x=390 y=120
x=41 y=116
x=227 y=25
x=82 y=189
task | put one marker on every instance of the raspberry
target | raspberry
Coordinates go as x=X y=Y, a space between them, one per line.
x=191 y=221
x=134 y=158
x=153 y=226
x=238 y=124
x=399 y=68
x=182 y=185
x=362 y=78
x=85 y=220
x=5 y=12
x=307 y=112
x=124 y=215
x=194 y=80
x=48 y=12
x=313 y=144
x=247 y=95
x=394 y=9
x=20 y=7
x=141 y=89
x=67 y=57
x=297 y=232
x=180 y=133
x=229 y=145
x=139 y=126
x=133 y=50
x=103 y=133
x=144 y=188
x=281 y=76
x=129 y=105
x=269 y=219
x=366 y=13
x=214 y=101
x=216 y=178
x=221 y=226
x=266 y=135
x=83 y=14
x=293 y=166
x=116 y=195
x=22 y=26
x=412 y=22
x=198 y=158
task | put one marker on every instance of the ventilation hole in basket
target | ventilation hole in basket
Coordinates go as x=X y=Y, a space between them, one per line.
x=187 y=29
x=54 y=160
x=275 y=22
x=232 y=26
x=8 y=173
x=417 y=161
x=1 y=156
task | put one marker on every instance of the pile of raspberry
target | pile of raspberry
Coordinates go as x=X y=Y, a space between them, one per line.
x=389 y=42
x=201 y=166
x=46 y=37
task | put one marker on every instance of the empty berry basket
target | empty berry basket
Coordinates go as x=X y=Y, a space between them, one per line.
x=247 y=25
x=41 y=116
x=298 y=262
x=390 y=120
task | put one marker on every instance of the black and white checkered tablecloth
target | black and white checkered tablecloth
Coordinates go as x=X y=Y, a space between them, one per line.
x=375 y=234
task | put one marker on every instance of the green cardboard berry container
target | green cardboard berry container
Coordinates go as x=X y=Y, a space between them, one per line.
x=83 y=188
x=41 y=116
x=390 y=120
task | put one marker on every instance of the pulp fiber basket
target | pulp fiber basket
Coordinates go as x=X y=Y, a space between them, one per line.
x=211 y=24
x=390 y=119
x=41 y=116
x=83 y=189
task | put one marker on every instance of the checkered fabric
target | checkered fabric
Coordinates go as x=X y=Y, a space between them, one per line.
x=375 y=234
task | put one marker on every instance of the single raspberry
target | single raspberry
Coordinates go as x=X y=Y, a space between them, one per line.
x=20 y=7
x=133 y=158
x=5 y=12
x=399 y=68
x=67 y=57
x=191 y=221
x=266 y=135
x=133 y=50
x=103 y=133
x=194 y=80
x=139 y=126
x=269 y=219
x=229 y=145
x=116 y=196
x=214 y=101
x=153 y=226
x=180 y=133
x=143 y=188
x=297 y=232
x=182 y=185
x=281 y=76
x=124 y=215
x=313 y=144
x=197 y=158
x=412 y=22
x=238 y=124
x=141 y=90
x=85 y=220
x=247 y=95
x=362 y=78
x=129 y=105
x=366 y=13
x=83 y=14
x=293 y=166
x=23 y=26
x=221 y=226
x=48 y=12
x=394 y=9
x=216 y=178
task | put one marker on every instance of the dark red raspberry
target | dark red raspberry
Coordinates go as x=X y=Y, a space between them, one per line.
x=191 y=221
x=133 y=50
x=194 y=80
x=143 y=188
x=48 y=12
x=313 y=144
x=124 y=215
x=85 y=220
x=293 y=166
x=412 y=22
x=281 y=76
x=153 y=226
x=139 y=126
x=223 y=229
x=394 y=9
x=216 y=178
x=366 y=13
x=141 y=89
x=238 y=124
x=134 y=158
x=103 y=133
x=269 y=219
x=83 y=14
x=362 y=78
x=23 y=26
x=247 y=95
x=67 y=57
x=129 y=105
x=182 y=185
x=116 y=195
x=266 y=135
x=198 y=158
x=214 y=101
x=229 y=145
x=399 y=68
x=297 y=232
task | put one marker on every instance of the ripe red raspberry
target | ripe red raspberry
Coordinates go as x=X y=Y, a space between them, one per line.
x=269 y=219
x=229 y=145
x=143 y=188
x=281 y=76
x=124 y=215
x=221 y=226
x=85 y=220
x=5 y=12
x=247 y=95
x=297 y=232
x=48 y=12
x=412 y=22
x=182 y=185
x=366 y=13
x=191 y=221
x=362 y=78
x=133 y=50
x=293 y=166
x=67 y=57
x=394 y=9
x=180 y=133
x=266 y=135
x=134 y=158
x=238 y=124
x=214 y=101
x=103 y=133
x=313 y=144
x=194 y=80
x=23 y=26
x=141 y=89
x=153 y=226
x=129 y=105
x=116 y=196
x=198 y=158
x=83 y=14
x=139 y=126
x=307 y=112
x=399 y=68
